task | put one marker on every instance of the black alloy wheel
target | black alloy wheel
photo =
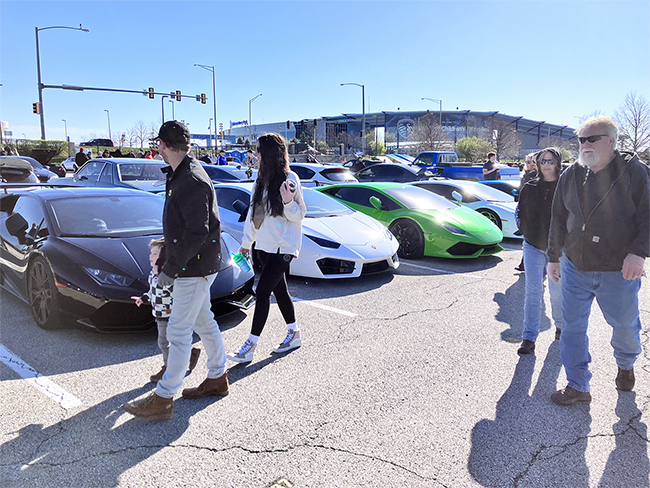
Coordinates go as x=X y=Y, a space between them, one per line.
x=42 y=293
x=491 y=216
x=410 y=238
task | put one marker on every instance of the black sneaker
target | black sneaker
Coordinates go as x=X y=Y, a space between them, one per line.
x=526 y=347
x=625 y=379
x=570 y=396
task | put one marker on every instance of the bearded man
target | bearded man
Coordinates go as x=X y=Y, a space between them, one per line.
x=601 y=222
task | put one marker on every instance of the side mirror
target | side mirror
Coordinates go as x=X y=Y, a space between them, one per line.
x=456 y=196
x=241 y=208
x=16 y=225
x=376 y=202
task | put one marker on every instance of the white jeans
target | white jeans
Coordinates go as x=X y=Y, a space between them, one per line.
x=191 y=312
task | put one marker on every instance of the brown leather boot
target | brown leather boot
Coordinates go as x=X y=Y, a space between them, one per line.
x=194 y=357
x=152 y=407
x=209 y=387
x=158 y=376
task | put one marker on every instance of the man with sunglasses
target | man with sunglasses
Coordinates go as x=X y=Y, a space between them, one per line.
x=601 y=222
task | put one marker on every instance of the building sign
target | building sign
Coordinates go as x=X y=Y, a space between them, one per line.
x=241 y=123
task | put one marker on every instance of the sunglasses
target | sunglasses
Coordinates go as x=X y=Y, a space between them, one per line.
x=547 y=161
x=591 y=139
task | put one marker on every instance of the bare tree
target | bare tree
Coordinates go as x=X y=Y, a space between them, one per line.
x=633 y=119
x=429 y=134
x=503 y=137
x=141 y=133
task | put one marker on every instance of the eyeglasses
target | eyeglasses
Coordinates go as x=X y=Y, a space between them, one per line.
x=547 y=161
x=591 y=139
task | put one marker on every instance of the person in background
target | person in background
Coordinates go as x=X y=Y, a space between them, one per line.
x=600 y=222
x=274 y=223
x=535 y=201
x=221 y=160
x=148 y=155
x=160 y=298
x=491 y=167
x=251 y=160
x=530 y=171
x=81 y=157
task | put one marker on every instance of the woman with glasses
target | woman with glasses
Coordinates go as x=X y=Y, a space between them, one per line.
x=274 y=223
x=535 y=201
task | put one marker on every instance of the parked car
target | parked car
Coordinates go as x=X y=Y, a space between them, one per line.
x=493 y=204
x=392 y=172
x=229 y=173
x=85 y=266
x=314 y=174
x=509 y=187
x=98 y=142
x=422 y=222
x=355 y=165
x=42 y=173
x=69 y=165
x=337 y=241
x=16 y=170
x=142 y=174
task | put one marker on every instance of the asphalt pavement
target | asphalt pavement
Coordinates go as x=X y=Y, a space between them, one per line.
x=404 y=379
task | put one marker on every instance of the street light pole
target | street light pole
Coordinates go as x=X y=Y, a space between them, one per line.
x=38 y=70
x=173 y=115
x=363 y=115
x=250 y=117
x=109 y=124
x=210 y=133
x=435 y=100
x=65 y=123
x=162 y=103
x=214 y=100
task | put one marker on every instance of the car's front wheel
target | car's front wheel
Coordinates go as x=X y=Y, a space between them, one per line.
x=43 y=295
x=491 y=216
x=410 y=238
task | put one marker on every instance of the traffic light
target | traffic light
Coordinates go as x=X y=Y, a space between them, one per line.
x=288 y=124
x=151 y=93
x=178 y=95
x=203 y=98
x=36 y=108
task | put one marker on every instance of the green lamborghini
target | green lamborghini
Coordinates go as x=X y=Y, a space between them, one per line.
x=424 y=223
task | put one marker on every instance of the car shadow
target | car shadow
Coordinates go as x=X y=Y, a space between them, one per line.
x=314 y=288
x=437 y=266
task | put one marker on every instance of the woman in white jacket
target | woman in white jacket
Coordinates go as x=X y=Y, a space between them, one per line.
x=274 y=223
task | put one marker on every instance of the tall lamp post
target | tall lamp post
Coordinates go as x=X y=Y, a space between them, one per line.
x=173 y=115
x=65 y=123
x=363 y=116
x=109 y=124
x=250 y=117
x=162 y=102
x=210 y=134
x=435 y=100
x=38 y=69
x=214 y=99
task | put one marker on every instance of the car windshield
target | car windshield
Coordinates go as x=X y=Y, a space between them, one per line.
x=419 y=199
x=141 y=171
x=108 y=216
x=322 y=205
x=487 y=193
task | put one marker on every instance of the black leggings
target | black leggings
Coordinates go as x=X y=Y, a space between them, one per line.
x=272 y=280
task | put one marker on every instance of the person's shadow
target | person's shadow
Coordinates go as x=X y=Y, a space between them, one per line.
x=526 y=428
x=103 y=436
x=629 y=460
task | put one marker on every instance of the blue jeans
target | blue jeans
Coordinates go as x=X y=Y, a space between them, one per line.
x=191 y=312
x=618 y=299
x=535 y=265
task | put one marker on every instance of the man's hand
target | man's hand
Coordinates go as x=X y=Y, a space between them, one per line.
x=244 y=251
x=164 y=280
x=633 y=267
x=553 y=270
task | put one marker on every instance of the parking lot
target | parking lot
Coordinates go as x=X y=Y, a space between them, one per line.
x=409 y=378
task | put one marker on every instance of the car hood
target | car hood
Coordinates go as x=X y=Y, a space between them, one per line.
x=354 y=229
x=148 y=185
x=467 y=219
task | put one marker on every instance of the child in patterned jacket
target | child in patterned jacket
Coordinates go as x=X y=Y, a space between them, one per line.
x=161 y=306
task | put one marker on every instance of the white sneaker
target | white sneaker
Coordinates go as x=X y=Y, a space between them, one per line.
x=245 y=354
x=290 y=342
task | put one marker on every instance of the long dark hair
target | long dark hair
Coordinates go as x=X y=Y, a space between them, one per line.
x=273 y=171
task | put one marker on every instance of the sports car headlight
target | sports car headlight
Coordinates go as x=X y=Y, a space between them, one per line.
x=389 y=234
x=453 y=229
x=106 y=278
x=324 y=242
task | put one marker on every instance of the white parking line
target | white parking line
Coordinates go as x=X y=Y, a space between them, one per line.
x=440 y=270
x=324 y=307
x=38 y=381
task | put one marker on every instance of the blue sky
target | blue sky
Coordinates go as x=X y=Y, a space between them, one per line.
x=545 y=60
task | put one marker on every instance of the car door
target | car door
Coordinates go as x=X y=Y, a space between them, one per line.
x=15 y=251
x=229 y=216
x=89 y=174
